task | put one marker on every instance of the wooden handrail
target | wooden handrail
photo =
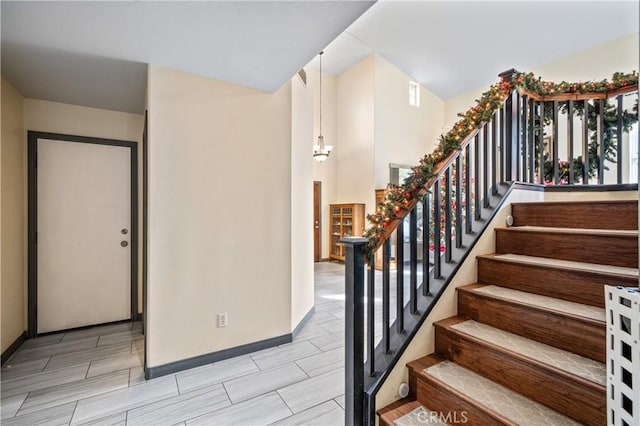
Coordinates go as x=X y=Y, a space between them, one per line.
x=579 y=96
x=438 y=170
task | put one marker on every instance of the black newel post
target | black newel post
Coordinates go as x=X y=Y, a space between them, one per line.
x=354 y=333
x=512 y=132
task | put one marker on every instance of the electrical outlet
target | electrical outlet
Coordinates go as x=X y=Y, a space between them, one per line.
x=222 y=319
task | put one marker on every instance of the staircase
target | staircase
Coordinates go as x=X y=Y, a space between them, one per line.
x=528 y=344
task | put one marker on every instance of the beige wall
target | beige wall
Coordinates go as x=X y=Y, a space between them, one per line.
x=302 y=296
x=12 y=218
x=68 y=119
x=219 y=214
x=596 y=63
x=356 y=126
x=377 y=127
x=325 y=172
x=403 y=133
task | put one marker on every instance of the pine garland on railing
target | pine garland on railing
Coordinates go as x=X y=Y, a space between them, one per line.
x=529 y=83
x=400 y=197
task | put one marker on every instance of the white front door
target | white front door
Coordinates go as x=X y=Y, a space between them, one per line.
x=83 y=234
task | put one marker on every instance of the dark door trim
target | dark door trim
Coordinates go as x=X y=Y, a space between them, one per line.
x=145 y=230
x=317 y=186
x=32 y=286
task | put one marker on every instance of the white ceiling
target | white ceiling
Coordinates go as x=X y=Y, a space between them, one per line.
x=452 y=47
x=95 y=53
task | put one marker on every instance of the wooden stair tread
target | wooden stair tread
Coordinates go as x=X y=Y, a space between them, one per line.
x=566 y=279
x=607 y=247
x=555 y=204
x=546 y=303
x=625 y=233
x=546 y=319
x=563 y=264
x=610 y=214
x=408 y=413
x=495 y=398
x=566 y=363
x=392 y=412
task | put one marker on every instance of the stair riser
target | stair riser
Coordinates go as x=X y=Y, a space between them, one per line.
x=585 y=403
x=554 y=329
x=431 y=393
x=601 y=249
x=573 y=285
x=592 y=215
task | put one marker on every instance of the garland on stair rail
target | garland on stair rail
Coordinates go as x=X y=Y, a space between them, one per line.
x=399 y=198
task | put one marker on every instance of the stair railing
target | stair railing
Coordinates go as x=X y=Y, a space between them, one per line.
x=440 y=221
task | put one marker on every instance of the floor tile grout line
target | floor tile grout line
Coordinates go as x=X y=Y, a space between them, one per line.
x=310 y=408
x=21 y=404
x=47 y=364
x=264 y=393
x=175 y=377
x=285 y=403
x=74 y=411
x=321 y=351
x=303 y=370
x=227 y=392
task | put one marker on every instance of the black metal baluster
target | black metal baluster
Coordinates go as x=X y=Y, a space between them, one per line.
x=447 y=217
x=354 y=325
x=476 y=172
x=437 y=266
x=541 y=145
x=371 y=323
x=413 y=261
x=516 y=135
x=524 y=136
x=619 y=139
x=600 y=136
x=426 y=291
x=585 y=143
x=467 y=190
x=485 y=164
x=459 y=200
x=502 y=143
x=570 y=139
x=554 y=149
x=532 y=143
x=386 y=298
x=400 y=277
x=511 y=141
x=494 y=154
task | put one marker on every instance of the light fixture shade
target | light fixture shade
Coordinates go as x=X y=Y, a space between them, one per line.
x=321 y=151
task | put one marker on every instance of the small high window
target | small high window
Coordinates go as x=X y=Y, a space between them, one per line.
x=414 y=94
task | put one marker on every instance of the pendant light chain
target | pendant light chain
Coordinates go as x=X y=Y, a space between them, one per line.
x=321 y=92
x=321 y=151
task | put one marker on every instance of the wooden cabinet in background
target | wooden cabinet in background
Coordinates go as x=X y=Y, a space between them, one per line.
x=346 y=220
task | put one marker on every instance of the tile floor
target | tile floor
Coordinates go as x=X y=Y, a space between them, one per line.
x=95 y=376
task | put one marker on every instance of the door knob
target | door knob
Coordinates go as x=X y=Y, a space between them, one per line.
x=124 y=243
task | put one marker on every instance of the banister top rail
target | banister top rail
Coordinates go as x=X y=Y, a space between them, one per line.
x=580 y=96
x=401 y=199
x=438 y=171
